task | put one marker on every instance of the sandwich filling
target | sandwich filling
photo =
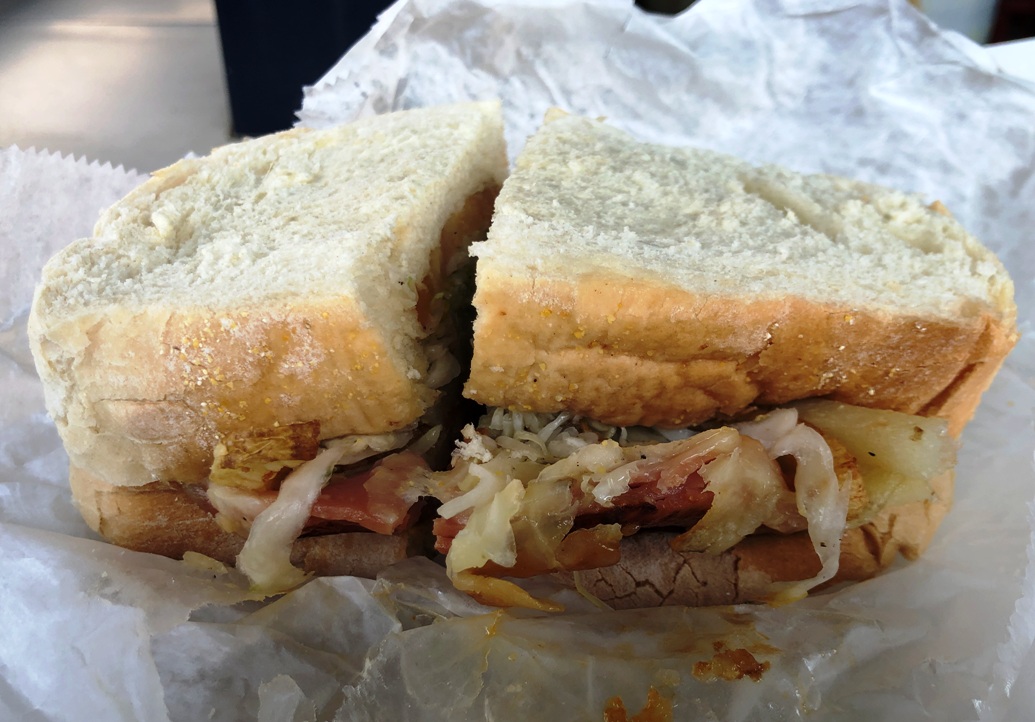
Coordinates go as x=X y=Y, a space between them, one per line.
x=274 y=485
x=357 y=483
x=532 y=493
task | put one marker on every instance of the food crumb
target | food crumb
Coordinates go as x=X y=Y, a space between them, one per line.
x=656 y=709
x=730 y=664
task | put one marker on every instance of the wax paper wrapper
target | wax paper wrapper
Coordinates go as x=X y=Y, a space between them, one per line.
x=867 y=89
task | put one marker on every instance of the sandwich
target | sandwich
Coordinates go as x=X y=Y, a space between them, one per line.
x=249 y=358
x=708 y=382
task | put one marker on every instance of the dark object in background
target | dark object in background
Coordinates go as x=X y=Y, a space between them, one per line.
x=271 y=49
x=1015 y=19
x=665 y=7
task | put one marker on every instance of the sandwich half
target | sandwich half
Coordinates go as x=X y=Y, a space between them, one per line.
x=252 y=345
x=710 y=382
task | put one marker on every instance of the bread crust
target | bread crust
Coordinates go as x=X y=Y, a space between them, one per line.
x=145 y=395
x=161 y=518
x=681 y=358
x=636 y=283
x=651 y=574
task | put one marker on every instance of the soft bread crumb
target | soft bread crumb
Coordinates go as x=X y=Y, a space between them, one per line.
x=302 y=215
x=711 y=224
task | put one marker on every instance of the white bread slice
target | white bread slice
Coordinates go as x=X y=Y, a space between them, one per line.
x=641 y=284
x=274 y=281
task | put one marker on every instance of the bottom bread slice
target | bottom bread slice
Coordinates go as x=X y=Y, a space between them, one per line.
x=164 y=519
x=652 y=574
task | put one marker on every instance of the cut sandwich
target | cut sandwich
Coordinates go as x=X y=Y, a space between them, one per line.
x=252 y=345
x=710 y=382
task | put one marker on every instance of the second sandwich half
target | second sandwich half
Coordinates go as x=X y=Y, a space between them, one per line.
x=710 y=382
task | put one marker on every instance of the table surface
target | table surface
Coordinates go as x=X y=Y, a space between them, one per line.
x=134 y=82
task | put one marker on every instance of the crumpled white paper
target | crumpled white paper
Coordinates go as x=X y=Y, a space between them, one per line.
x=868 y=89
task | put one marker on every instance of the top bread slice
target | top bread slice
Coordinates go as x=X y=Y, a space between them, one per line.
x=274 y=281
x=641 y=284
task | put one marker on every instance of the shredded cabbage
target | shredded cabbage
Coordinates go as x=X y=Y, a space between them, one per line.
x=747 y=488
x=266 y=556
x=546 y=458
x=512 y=455
x=594 y=464
x=488 y=486
x=585 y=462
x=820 y=498
x=488 y=535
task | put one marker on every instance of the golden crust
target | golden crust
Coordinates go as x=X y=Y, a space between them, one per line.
x=162 y=519
x=651 y=574
x=680 y=358
x=146 y=395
